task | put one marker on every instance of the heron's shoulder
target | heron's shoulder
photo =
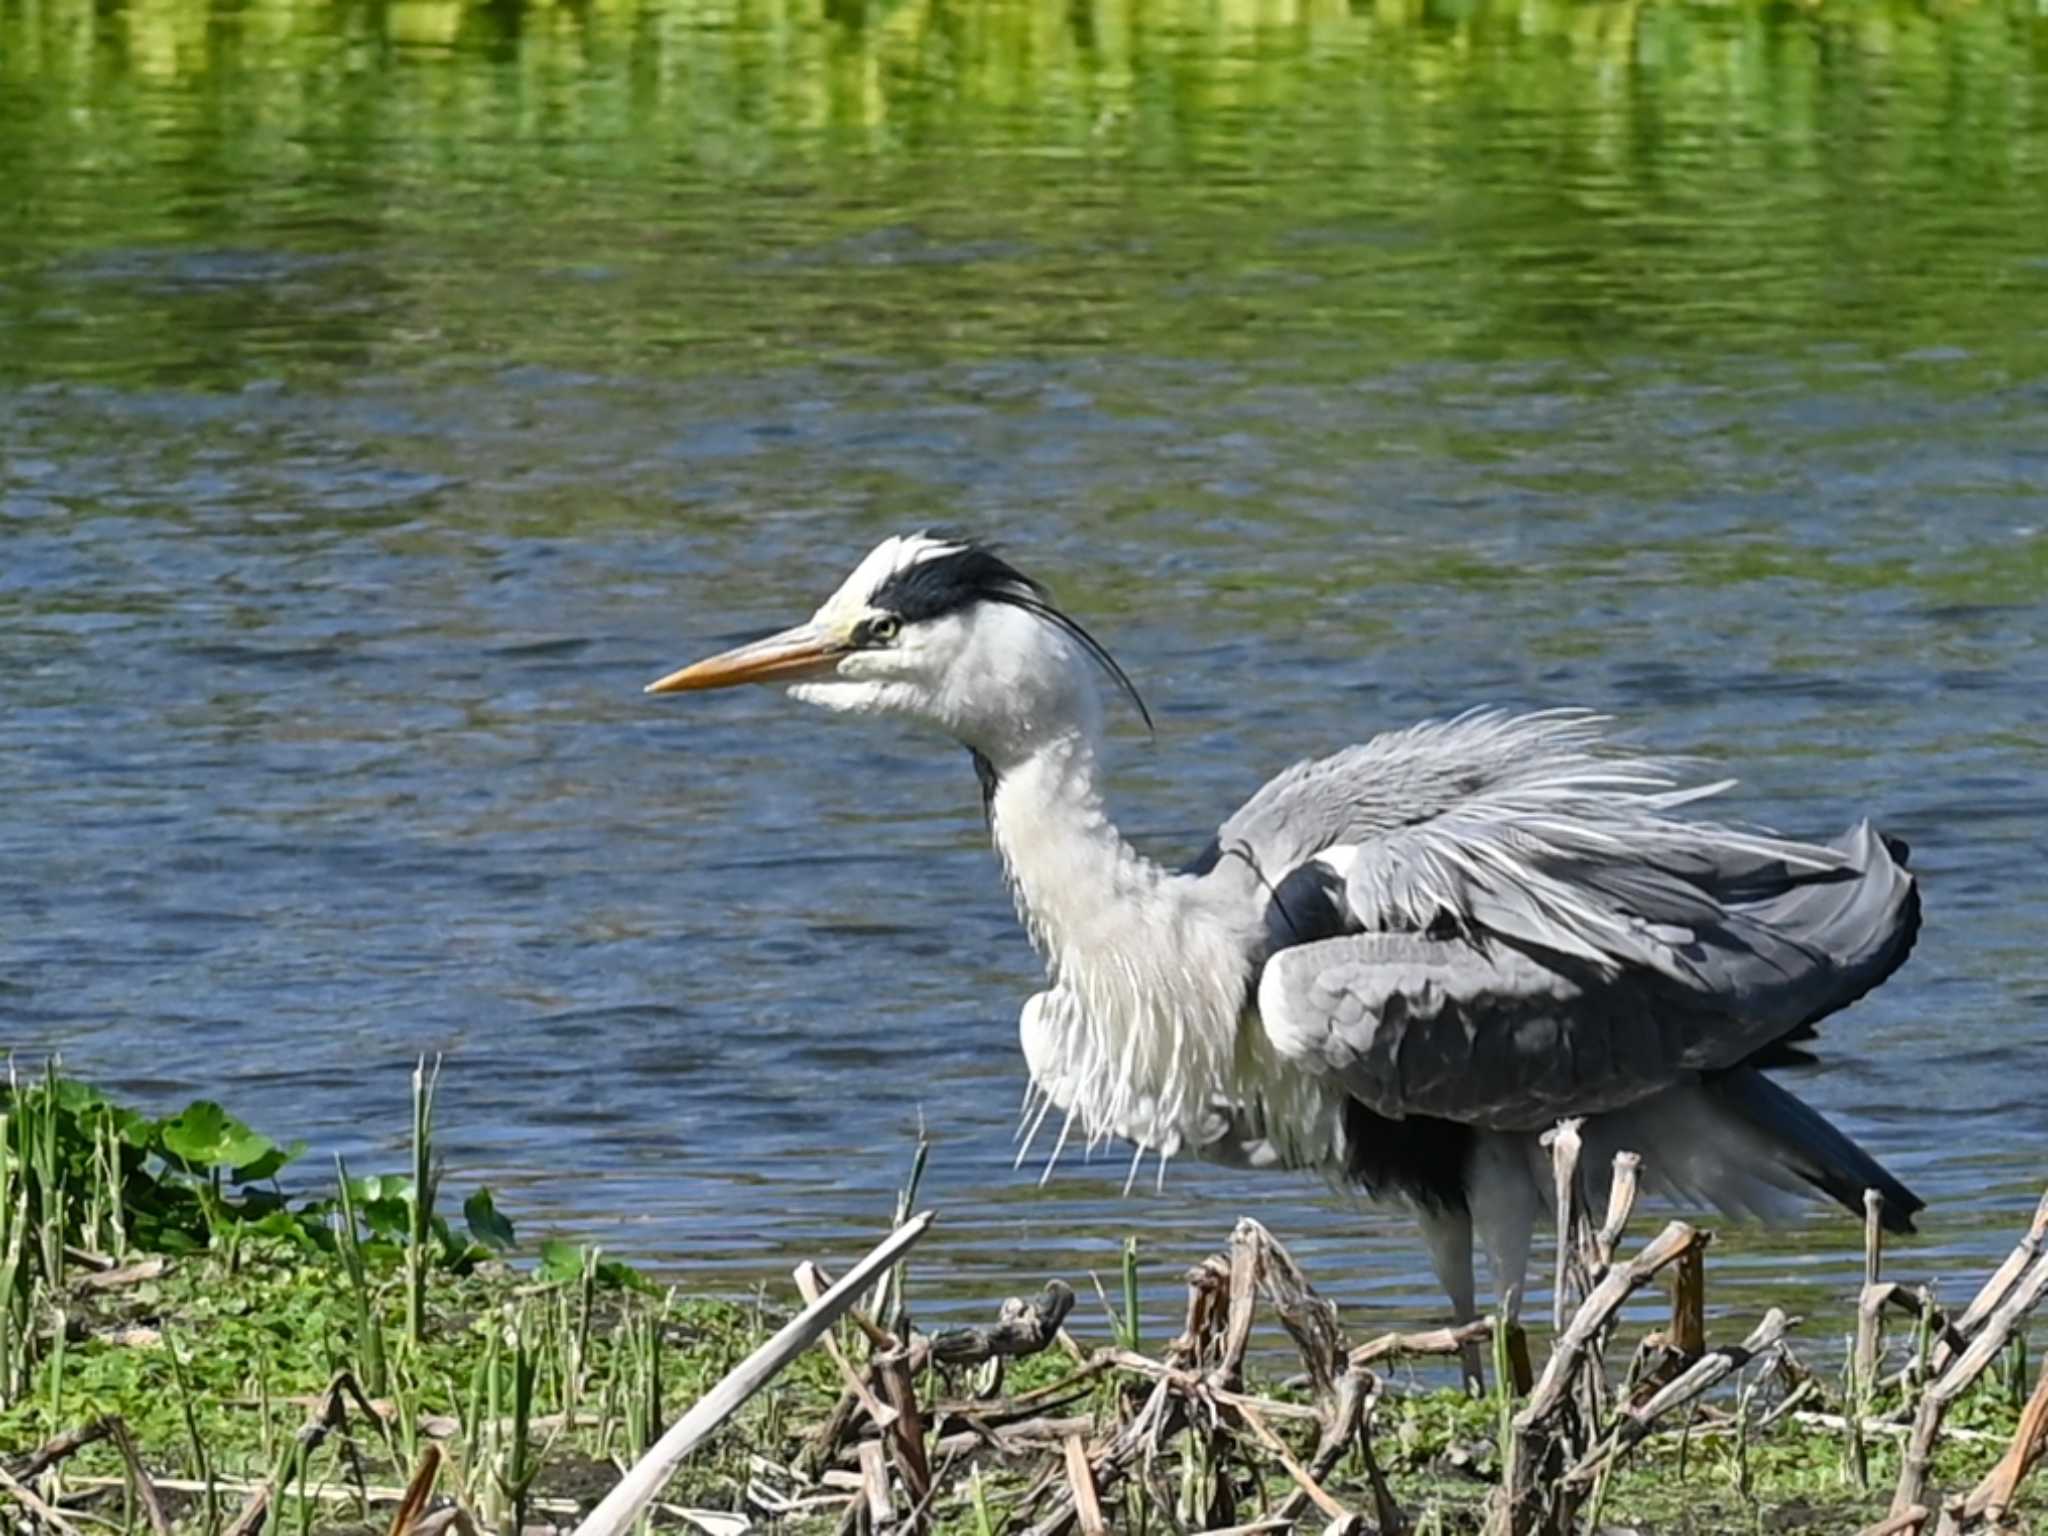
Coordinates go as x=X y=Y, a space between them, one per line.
x=1399 y=778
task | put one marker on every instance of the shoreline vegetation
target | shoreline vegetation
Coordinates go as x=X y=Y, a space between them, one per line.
x=186 y=1350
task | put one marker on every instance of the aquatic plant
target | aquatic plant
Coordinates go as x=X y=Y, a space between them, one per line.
x=232 y=1385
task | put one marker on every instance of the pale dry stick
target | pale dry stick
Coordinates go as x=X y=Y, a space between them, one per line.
x=1623 y=1185
x=1054 y=1484
x=54 y=1450
x=2002 y=1280
x=1870 y=1306
x=907 y=1435
x=645 y=1479
x=1081 y=1479
x=1839 y=1423
x=779 y=1509
x=1864 y=1359
x=1163 y=1501
x=1621 y=1204
x=417 y=1492
x=1089 y=1367
x=1687 y=1334
x=1992 y=1497
x=1564 y=1143
x=1432 y=1341
x=1208 y=1284
x=1903 y=1522
x=1919 y=1306
x=1722 y=1428
x=90 y=1258
x=1025 y=1328
x=145 y=1490
x=808 y=1285
x=1545 y=1435
x=1706 y=1373
x=874 y=1482
x=1586 y=1271
x=1022 y=1328
x=1348 y=1423
x=1136 y=1438
x=1310 y=1320
x=1244 y=1276
x=2025 y=1294
x=128 y=1274
x=255 y=1510
x=1318 y=1495
x=1010 y=1439
x=1804 y=1391
x=454 y=1517
x=878 y=1337
x=374 y=1493
x=1192 y=1385
x=1676 y=1241
x=329 y=1413
x=998 y=1420
x=27 y=1499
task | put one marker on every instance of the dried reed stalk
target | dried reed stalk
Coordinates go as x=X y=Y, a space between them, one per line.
x=645 y=1479
x=2007 y=1315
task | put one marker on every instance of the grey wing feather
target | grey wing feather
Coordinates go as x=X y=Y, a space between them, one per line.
x=1535 y=933
x=1419 y=1026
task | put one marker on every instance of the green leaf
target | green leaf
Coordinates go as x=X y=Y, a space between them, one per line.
x=380 y=1253
x=287 y=1226
x=486 y=1225
x=624 y=1277
x=380 y=1186
x=204 y=1135
x=77 y=1096
x=561 y=1260
x=386 y=1216
x=266 y=1166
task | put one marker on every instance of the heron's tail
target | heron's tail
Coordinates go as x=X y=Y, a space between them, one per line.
x=1738 y=1142
x=1809 y=1147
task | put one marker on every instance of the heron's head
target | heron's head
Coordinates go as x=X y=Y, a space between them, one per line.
x=942 y=630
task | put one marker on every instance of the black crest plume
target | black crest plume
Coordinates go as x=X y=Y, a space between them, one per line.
x=973 y=572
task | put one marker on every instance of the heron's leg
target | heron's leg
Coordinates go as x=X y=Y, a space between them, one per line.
x=1506 y=1204
x=1447 y=1234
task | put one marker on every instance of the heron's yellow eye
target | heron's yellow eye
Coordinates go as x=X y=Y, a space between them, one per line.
x=881 y=630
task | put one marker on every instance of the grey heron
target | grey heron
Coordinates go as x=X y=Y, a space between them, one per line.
x=1398 y=964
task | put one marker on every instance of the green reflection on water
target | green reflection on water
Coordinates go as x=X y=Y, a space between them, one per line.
x=679 y=187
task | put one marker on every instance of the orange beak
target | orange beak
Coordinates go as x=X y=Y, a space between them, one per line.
x=795 y=653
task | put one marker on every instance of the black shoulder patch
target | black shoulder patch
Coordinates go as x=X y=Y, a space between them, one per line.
x=985 y=771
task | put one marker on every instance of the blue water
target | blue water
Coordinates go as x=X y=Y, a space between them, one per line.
x=345 y=509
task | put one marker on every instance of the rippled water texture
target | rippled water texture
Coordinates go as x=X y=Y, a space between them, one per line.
x=388 y=390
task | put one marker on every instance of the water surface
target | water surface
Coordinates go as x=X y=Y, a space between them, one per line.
x=388 y=390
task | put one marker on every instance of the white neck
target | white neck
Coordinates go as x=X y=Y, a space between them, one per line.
x=1077 y=882
x=1139 y=1036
